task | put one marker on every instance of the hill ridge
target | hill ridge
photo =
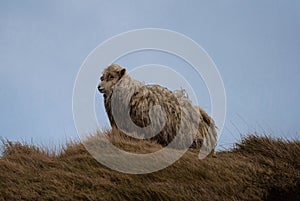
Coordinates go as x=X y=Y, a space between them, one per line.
x=257 y=168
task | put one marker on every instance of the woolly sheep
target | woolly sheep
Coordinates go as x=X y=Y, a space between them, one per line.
x=131 y=102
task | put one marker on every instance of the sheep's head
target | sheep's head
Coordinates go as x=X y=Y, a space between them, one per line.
x=110 y=77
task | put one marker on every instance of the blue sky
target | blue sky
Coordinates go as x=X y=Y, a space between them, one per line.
x=254 y=44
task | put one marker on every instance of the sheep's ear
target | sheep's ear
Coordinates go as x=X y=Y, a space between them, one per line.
x=122 y=72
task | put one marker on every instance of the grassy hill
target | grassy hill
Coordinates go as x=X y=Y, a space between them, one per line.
x=258 y=168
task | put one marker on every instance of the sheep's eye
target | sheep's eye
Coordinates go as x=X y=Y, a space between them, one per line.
x=110 y=77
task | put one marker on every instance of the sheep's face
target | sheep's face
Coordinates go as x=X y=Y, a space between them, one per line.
x=111 y=75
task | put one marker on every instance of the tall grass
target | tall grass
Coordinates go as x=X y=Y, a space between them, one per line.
x=257 y=168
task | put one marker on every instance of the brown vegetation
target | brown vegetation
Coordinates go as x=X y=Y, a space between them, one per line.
x=258 y=168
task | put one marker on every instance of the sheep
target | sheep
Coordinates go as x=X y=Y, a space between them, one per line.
x=153 y=111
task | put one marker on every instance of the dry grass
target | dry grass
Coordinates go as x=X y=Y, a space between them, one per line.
x=258 y=168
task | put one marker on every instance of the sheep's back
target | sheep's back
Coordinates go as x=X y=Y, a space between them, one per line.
x=147 y=97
